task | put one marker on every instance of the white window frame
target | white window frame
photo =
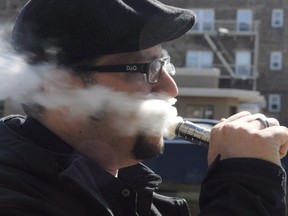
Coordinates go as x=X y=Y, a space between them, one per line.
x=243 y=63
x=199 y=59
x=244 y=20
x=274 y=103
x=277 y=18
x=205 y=20
x=276 y=61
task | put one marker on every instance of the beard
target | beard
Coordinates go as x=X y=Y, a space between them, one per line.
x=143 y=149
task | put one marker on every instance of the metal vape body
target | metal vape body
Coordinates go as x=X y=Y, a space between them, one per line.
x=194 y=133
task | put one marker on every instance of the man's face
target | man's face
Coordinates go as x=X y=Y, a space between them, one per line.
x=140 y=146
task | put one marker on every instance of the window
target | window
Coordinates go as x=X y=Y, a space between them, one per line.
x=277 y=18
x=274 y=103
x=204 y=21
x=243 y=64
x=276 y=61
x=244 y=20
x=199 y=59
x=200 y=111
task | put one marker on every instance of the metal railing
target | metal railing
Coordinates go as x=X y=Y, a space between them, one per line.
x=239 y=72
x=226 y=27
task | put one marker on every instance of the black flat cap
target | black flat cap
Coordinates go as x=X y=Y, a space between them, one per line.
x=69 y=31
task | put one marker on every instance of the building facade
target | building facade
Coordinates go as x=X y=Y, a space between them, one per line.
x=247 y=41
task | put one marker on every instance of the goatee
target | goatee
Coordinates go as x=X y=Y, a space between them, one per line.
x=144 y=150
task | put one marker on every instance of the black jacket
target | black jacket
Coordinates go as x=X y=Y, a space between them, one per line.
x=41 y=175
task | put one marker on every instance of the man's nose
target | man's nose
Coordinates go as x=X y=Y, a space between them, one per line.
x=166 y=85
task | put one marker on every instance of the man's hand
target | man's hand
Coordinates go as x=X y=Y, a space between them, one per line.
x=243 y=136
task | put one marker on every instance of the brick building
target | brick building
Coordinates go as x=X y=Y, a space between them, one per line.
x=246 y=40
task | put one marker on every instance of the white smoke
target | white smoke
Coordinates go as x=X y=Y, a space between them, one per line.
x=23 y=83
x=17 y=78
x=148 y=114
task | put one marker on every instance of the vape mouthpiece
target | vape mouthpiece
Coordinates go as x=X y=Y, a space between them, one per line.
x=194 y=133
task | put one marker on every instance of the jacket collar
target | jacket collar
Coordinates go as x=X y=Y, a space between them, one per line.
x=104 y=187
x=59 y=157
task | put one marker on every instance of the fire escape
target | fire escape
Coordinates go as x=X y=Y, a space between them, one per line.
x=225 y=38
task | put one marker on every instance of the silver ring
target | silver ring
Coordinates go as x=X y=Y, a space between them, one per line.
x=264 y=122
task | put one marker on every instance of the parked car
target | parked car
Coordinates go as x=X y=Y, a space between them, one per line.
x=182 y=167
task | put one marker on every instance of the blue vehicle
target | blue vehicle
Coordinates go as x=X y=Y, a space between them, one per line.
x=182 y=161
x=183 y=166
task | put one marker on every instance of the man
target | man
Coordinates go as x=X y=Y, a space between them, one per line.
x=60 y=161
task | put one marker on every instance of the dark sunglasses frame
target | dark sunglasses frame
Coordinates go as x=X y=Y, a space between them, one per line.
x=144 y=68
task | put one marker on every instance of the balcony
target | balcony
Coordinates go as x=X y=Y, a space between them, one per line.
x=201 y=86
x=197 y=77
x=226 y=27
x=238 y=72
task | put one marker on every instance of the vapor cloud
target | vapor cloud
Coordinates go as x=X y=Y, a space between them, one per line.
x=22 y=83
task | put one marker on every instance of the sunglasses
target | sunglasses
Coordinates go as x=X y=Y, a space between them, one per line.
x=151 y=70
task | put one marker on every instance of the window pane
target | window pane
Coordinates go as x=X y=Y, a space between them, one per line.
x=274 y=103
x=244 y=20
x=277 y=18
x=192 y=59
x=204 y=21
x=206 y=59
x=243 y=63
x=276 y=61
x=199 y=59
